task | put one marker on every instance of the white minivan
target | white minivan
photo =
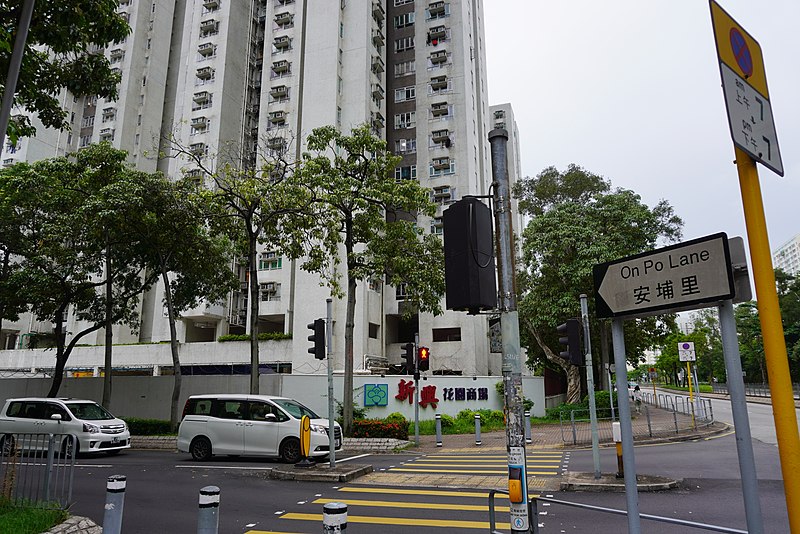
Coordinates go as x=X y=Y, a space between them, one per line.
x=94 y=427
x=251 y=425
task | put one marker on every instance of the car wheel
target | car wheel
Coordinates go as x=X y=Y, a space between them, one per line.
x=200 y=449
x=290 y=450
x=70 y=447
x=7 y=445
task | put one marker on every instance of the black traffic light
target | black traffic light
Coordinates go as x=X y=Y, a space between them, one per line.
x=423 y=359
x=408 y=356
x=570 y=335
x=317 y=338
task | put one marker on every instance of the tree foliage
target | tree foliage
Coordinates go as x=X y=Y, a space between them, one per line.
x=368 y=228
x=576 y=221
x=64 y=50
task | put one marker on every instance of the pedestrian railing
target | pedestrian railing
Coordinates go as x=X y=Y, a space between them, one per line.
x=753 y=389
x=37 y=469
x=658 y=415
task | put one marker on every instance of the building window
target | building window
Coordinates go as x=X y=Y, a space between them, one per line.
x=401 y=292
x=442 y=166
x=446 y=334
x=269 y=261
x=374 y=329
x=404 y=43
x=442 y=194
x=405 y=146
x=405 y=93
x=404 y=20
x=438 y=10
x=405 y=120
x=402 y=2
x=404 y=68
x=87 y=122
x=437 y=226
x=406 y=172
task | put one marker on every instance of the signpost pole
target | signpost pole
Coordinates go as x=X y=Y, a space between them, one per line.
x=769 y=314
x=628 y=460
x=741 y=422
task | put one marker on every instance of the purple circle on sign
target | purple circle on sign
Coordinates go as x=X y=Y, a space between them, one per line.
x=685 y=346
x=741 y=52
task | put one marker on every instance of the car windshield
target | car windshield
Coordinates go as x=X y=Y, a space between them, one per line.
x=89 y=411
x=295 y=409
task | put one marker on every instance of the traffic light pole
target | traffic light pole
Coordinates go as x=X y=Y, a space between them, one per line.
x=329 y=353
x=509 y=328
x=416 y=389
x=587 y=345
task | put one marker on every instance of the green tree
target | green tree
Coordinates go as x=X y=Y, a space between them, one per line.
x=65 y=266
x=64 y=50
x=254 y=203
x=751 y=344
x=577 y=221
x=711 y=362
x=12 y=242
x=368 y=219
x=169 y=220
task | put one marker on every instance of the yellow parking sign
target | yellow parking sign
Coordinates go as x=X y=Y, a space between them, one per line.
x=738 y=50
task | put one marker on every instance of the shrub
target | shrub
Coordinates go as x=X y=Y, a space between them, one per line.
x=447 y=421
x=263 y=336
x=147 y=427
x=491 y=417
x=465 y=415
x=376 y=428
x=396 y=417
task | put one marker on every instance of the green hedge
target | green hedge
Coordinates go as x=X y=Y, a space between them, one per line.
x=263 y=336
x=376 y=428
x=147 y=427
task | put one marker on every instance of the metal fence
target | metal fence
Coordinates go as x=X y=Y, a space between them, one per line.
x=753 y=390
x=659 y=415
x=37 y=469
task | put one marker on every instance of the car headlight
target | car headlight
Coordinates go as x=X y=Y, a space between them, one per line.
x=92 y=429
x=319 y=429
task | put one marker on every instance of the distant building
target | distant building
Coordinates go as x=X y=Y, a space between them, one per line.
x=787 y=256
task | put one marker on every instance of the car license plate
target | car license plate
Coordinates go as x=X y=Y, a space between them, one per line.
x=114 y=440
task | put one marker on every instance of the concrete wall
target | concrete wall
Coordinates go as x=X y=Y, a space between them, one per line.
x=149 y=397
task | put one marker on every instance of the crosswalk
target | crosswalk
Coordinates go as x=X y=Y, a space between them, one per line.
x=415 y=504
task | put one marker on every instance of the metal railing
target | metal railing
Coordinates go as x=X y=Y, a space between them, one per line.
x=672 y=414
x=37 y=469
x=753 y=390
x=533 y=515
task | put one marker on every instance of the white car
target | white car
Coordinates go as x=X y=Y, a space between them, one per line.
x=94 y=427
x=251 y=425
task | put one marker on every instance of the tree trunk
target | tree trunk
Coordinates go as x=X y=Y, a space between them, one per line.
x=58 y=373
x=348 y=356
x=109 y=334
x=173 y=344
x=252 y=274
x=572 y=371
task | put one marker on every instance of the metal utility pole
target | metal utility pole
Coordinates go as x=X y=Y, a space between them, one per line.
x=331 y=413
x=416 y=389
x=509 y=327
x=587 y=346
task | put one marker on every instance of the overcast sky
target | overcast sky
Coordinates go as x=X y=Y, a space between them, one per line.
x=631 y=90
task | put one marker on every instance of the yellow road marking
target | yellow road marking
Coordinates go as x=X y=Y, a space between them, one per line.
x=402 y=521
x=440 y=493
x=477 y=464
x=420 y=505
x=504 y=456
x=269 y=532
x=504 y=472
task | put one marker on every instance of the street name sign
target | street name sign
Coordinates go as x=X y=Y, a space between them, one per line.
x=686 y=276
x=744 y=84
x=686 y=351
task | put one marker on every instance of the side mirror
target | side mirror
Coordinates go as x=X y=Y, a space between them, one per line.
x=56 y=417
x=271 y=417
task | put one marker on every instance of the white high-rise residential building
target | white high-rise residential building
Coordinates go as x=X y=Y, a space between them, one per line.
x=260 y=75
x=787 y=256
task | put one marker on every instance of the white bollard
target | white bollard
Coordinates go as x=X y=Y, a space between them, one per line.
x=334 y=517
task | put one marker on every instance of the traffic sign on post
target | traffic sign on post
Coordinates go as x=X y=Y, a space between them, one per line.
x=686 y=351
x=744 y=83
x=678 y=277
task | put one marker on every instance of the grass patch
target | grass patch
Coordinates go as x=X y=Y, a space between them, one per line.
x=704 y=388
x=28 y=520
